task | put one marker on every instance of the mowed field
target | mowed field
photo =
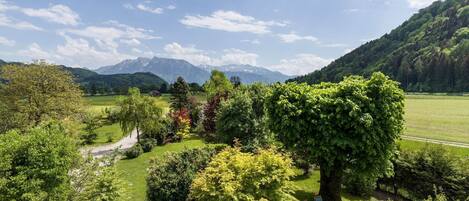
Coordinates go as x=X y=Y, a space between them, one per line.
x=438 y=117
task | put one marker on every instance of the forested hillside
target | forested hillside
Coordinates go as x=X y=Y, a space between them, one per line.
x=428 y=52
x=93 y=83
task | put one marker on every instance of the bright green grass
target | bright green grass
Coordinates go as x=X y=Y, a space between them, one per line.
x=410 y=145
x=134 y=171
x=438 y=117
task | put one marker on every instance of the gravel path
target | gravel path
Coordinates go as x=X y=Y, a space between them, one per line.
x=449 y=143
x=122 y=144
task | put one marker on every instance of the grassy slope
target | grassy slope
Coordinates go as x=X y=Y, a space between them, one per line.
x=438 y=117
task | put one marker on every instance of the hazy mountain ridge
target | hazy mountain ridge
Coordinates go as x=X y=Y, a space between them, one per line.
x=428 y=52
x=170 y=69
x=249 y=73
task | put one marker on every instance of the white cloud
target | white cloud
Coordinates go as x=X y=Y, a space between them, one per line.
x=6 y=41
x=417 y=4
x=17 y=24
x=293 y=37
x=171 y=7
x=190 y=53
x=237 y=56
x=57 y=13
x=201 y=57
x=131 y=42
x=301 y=64
x=255 y=41
x=80 y=52
x=34 y=51
x=107 y=37
x=145 y=8
x=230 y=21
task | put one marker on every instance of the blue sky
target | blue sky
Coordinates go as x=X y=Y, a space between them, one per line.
x=291 y=36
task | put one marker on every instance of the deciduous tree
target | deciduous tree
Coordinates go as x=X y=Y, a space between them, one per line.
x=352 y=125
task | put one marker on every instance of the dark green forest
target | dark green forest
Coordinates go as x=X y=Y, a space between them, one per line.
x=427 y=53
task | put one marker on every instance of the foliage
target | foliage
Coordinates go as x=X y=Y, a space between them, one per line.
x=349 y=125
x=97 y=180
x=182 y=122
x=235 y=81
x=147 y=144
x=195 y=111
x=119 y=83
x=179 y=94
x=34 y=165
x=170 y=176
x=92 y=122
x=158 y=129
x=135 y=110
x=236 y=119
x=428 y=52
x=421 y=171
x=233 y=175
x=37 y=93
x=362 y=185
x=218 y=84
x=134 y=151
x=210 y=112
x=195 y=87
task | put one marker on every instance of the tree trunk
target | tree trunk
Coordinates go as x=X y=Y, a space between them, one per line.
x=138 y=135
x=331 y=183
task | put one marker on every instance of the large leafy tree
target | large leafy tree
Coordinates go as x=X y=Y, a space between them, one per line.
x=135 y=110
x=180 y=93
x=350 y=125
x=39 y=92
x=35 y=165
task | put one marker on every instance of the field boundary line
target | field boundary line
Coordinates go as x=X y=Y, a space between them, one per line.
x=434 y=141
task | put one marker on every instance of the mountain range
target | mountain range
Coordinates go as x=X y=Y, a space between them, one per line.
x=429 y=52
x=170 y=69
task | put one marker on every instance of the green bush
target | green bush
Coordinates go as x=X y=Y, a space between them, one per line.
x=158 y=129
x=243 y=118
x=97 y=180
x=134 y=151
x=147 y=144
x=420 y=172
x=362 y=185
x=35 y=165
x=233 y=175
x=170 y=177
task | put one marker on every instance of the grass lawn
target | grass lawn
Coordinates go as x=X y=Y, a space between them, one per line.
x=415 y=145
x=438 y=117
x=134 y=171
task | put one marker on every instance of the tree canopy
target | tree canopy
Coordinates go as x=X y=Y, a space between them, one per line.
x=217 y=84
x=39 y=92
x=348 y=125
x=135 y=110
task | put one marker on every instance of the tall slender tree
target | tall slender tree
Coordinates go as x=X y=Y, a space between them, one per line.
x=180 y=93
x=135 y=110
